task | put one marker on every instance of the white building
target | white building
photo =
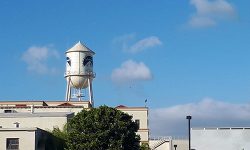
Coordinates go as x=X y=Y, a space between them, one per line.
x=21 y=117
x=140 y=116
x=28 y=139
x=220 y=138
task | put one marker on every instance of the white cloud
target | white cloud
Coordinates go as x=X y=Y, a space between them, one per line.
x=209 y=12
x=36 y=59
x=206 y=113
x=145 y=43
x=131 y=45
x=131 y=71
x=202 y=22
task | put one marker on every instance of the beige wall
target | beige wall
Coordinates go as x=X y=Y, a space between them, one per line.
x=140 y=113
x=144 y=135
x=44 y=106
x=26 y=139
x=163 y=146
x=182 y=144
x=45 y=109
x=45 y=123
x=85 y=104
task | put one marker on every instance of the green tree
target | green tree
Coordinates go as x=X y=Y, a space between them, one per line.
x=102 y=128
x=144 y=146
x=61 y=135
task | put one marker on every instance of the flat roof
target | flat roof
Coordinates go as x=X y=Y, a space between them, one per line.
x=39 y=101
x=20 y=129
x=222 y=128
x=132 y=108
x=40 y=114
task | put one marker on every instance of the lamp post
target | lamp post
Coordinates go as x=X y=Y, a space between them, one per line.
x=189 y=138
x=175 y=147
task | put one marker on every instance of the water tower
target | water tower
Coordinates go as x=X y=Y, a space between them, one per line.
x=79 y=72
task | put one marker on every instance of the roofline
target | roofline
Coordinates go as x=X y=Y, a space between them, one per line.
x=90 y=51
x=143 y=130
x=20 y=129
x=132 y=108
x=40 y=101
x=7 y=107
x=221 y=128
x=33 y=115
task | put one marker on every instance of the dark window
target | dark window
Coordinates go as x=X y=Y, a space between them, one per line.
x=17 y=124
x=8 y=111
x=137 y=121
x=12 y=144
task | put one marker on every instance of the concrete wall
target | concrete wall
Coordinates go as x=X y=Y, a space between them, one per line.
x=84 y=104
x=163 y=146
x=26 y=139
x=43 y=109
x=182 y=144
x=30 y=139
x=140 y=113
x=167 y=143
x=220 y=139
x=45 y=123
x=44 y=106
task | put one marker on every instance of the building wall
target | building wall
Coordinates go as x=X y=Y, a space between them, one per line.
x=220 y=139
x=47 y=141
x=45 y=123
x=168 y=142
x=43 y=109
x=26 y=139
x=84 y=104
x=182 y=144
x=140 y=113
x=163 y=146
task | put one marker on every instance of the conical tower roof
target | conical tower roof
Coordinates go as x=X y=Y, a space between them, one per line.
x=79 y=47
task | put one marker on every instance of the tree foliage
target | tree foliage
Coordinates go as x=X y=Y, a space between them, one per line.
x=61 y=135
x=144 y=146
x=102 y=128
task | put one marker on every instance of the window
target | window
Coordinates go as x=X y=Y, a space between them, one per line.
x=9 y=111
x=12 y=144
x=137 y=121
x=17 y=124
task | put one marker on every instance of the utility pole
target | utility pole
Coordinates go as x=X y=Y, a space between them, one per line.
x=189 y=134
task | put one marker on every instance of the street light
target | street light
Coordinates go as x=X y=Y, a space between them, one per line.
x=189 y=138
x=175 y=147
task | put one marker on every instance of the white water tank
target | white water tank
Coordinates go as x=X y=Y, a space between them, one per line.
x=79 y=66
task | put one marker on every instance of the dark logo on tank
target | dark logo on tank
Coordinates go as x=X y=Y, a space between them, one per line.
x=68 y=61
x=88 y=61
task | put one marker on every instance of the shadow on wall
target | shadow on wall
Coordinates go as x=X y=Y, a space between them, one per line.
x=47 y=141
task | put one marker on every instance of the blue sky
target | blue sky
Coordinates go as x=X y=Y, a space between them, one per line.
x=180 y=55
